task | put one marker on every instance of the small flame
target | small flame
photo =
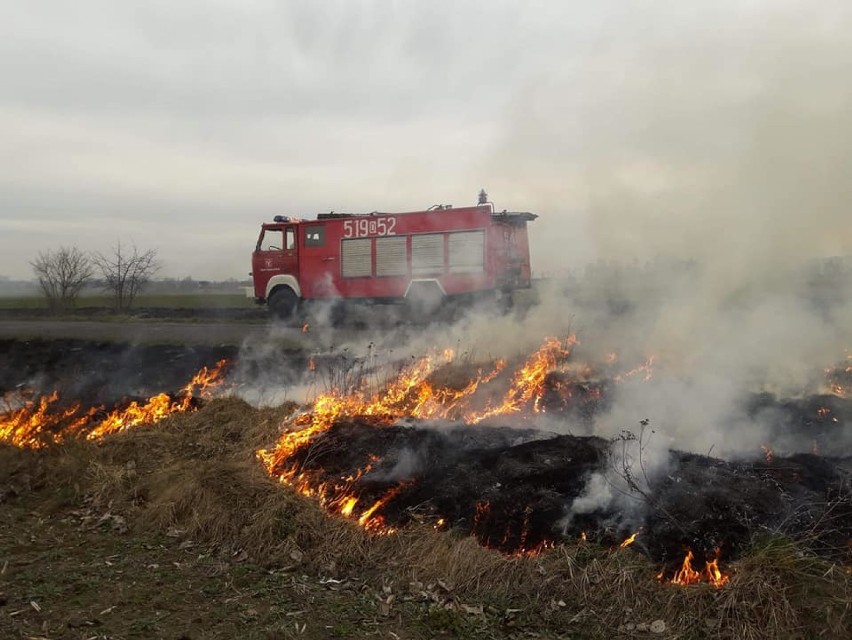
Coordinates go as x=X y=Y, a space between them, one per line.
x=348 y=505
x=375 y=523
x=646 y=369
x=687 y=575
x=306 y=327
x=629 y=541
x=767 y=453
x=483 y=511
x=714 y=574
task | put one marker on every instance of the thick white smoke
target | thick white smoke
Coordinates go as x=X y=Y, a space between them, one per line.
x=705 y=180
x=691 y=172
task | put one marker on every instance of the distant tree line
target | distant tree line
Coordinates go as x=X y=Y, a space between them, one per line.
x=62 y=274
x=189 y=285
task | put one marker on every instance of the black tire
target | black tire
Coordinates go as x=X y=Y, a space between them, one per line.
x=282 y=303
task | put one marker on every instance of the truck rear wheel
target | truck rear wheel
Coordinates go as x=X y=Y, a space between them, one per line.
x=282 y=302
x=423 y=300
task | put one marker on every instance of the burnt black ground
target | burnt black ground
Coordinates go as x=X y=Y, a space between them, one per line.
x=512 y=488
x=101 y=372
x=819 y=423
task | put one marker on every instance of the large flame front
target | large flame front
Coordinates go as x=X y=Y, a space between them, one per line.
x=37 y=423
x=411 y=394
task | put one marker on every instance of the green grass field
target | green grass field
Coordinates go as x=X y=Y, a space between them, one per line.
x=166 y=301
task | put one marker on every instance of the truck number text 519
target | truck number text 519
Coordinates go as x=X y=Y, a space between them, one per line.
x=369 y=227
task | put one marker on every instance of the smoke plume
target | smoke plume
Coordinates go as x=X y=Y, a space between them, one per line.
x=692 y=176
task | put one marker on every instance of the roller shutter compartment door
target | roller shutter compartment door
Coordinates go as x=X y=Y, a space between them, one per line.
x=427 y=254
x=390 y=256
x=356 y=258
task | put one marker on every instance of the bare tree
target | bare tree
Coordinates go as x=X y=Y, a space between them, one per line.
x=61 y=275
x=126 y=272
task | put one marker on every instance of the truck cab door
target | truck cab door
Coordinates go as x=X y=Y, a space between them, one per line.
x=277 y=253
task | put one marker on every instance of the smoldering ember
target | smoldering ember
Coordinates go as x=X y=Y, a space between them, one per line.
x=480 y=447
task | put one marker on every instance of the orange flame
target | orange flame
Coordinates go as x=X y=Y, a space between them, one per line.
x=713 y=574
x=686 y=575
x=375 y=523
x=528 y=380
x=158 y=406
x=629 y=541
x=37 y=424
x=348 y=505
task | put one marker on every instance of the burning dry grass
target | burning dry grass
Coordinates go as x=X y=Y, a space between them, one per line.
x=196 y=476
x=44 y=421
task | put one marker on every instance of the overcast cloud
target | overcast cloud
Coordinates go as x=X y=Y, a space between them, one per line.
x=634 y=128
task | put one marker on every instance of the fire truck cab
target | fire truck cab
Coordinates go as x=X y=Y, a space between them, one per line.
x=421 y=258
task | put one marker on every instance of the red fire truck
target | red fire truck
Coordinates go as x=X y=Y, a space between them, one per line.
x=420 y=258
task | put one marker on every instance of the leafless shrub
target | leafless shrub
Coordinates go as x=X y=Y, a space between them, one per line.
x=126 y=272
x=628 y=457
x=61 y=275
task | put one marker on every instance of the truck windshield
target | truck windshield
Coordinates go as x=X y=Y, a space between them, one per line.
x=271 y=240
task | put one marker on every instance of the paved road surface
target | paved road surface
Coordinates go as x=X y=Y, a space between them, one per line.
x=210 y=333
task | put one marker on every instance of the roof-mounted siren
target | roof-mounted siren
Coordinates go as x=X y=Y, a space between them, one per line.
x=281 y=219
x=483 y=199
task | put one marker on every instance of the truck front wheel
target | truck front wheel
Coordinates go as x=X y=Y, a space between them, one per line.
x=282 y=302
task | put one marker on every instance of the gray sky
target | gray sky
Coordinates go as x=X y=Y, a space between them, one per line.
x=633 y=128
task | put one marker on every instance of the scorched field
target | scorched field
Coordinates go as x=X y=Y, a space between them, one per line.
x=407 y=492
